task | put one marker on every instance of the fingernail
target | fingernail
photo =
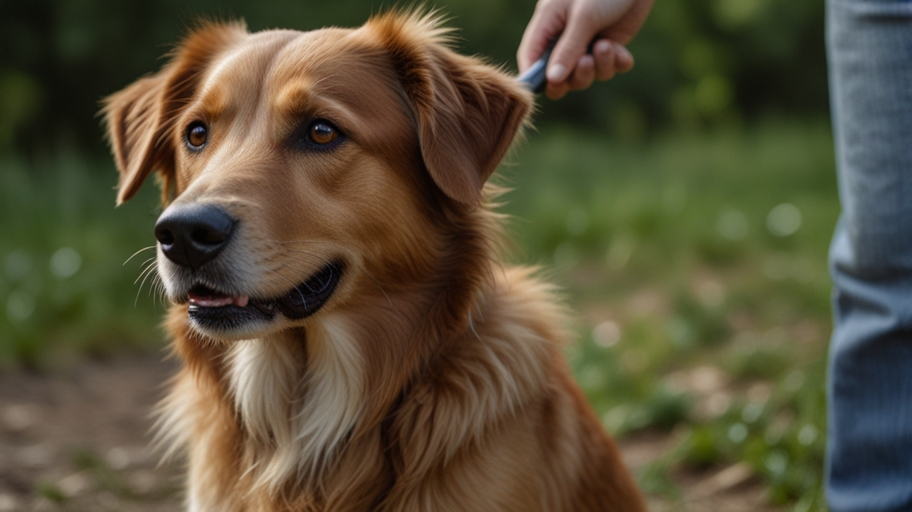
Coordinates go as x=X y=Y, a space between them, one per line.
x=624 y=58
x=556 y=73
x=602 y=47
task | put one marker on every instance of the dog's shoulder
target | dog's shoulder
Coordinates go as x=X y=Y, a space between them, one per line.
x=527 y=306
x=493 y=371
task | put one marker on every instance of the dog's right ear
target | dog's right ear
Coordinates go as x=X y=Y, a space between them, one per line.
x=139 y=118
x=467 y=112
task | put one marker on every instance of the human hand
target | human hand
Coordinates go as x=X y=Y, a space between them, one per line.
x=611 y=24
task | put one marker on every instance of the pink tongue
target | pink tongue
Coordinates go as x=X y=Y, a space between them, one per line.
x=217 y=301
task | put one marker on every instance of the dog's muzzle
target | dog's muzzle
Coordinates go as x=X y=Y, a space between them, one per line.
x=192 y=237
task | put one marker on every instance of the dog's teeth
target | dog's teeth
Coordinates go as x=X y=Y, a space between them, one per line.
x=217 y=301
x=211 y=302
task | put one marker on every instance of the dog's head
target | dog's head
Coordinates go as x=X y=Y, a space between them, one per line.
x=301 y=170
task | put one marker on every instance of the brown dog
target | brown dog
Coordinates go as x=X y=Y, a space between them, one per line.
x=351 y=339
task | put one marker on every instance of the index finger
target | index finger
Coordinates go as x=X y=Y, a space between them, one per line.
x=547 y=23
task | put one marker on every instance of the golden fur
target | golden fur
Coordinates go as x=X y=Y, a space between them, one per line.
x=433 y=378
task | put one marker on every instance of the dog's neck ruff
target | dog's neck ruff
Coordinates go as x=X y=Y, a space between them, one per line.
x=296 y=421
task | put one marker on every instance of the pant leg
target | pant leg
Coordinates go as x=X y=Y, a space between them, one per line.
x=869 y=453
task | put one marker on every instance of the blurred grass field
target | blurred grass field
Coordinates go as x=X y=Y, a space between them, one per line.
x=698 y=267
x=696 y=263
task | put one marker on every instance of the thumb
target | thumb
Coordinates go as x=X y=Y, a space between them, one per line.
x=569 y=48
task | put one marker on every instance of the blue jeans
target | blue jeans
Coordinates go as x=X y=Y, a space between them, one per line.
x=869 y=453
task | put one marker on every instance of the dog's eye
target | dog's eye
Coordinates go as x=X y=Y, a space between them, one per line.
x=197 y=135
x=322 y=133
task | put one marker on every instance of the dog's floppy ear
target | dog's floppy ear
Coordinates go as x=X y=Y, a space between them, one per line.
x=467 y=112
x=134 y=120
x=139 y=118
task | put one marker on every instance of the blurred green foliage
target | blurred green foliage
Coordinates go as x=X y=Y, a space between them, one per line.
x=697 y=264
x=700 y=63
x=63 y=285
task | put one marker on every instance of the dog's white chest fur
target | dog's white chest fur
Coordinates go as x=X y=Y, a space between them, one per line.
x=296 y=421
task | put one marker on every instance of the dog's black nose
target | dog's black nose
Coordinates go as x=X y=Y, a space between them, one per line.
x=191 y=235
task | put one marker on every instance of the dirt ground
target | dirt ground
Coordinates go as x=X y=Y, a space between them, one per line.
x=79 y=439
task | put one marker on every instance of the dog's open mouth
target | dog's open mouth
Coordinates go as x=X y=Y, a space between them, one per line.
x=216 y=310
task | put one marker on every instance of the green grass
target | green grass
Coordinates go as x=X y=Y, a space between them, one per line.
x=696 y=263
x=693 y=259
x=64 y=288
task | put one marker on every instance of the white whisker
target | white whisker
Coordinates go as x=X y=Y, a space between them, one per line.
x=151 y=263
x=149 y=271
x=137 y=252
x=293 y=286
x=377 y=283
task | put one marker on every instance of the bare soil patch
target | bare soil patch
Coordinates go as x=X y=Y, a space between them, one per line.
x=79 y=439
